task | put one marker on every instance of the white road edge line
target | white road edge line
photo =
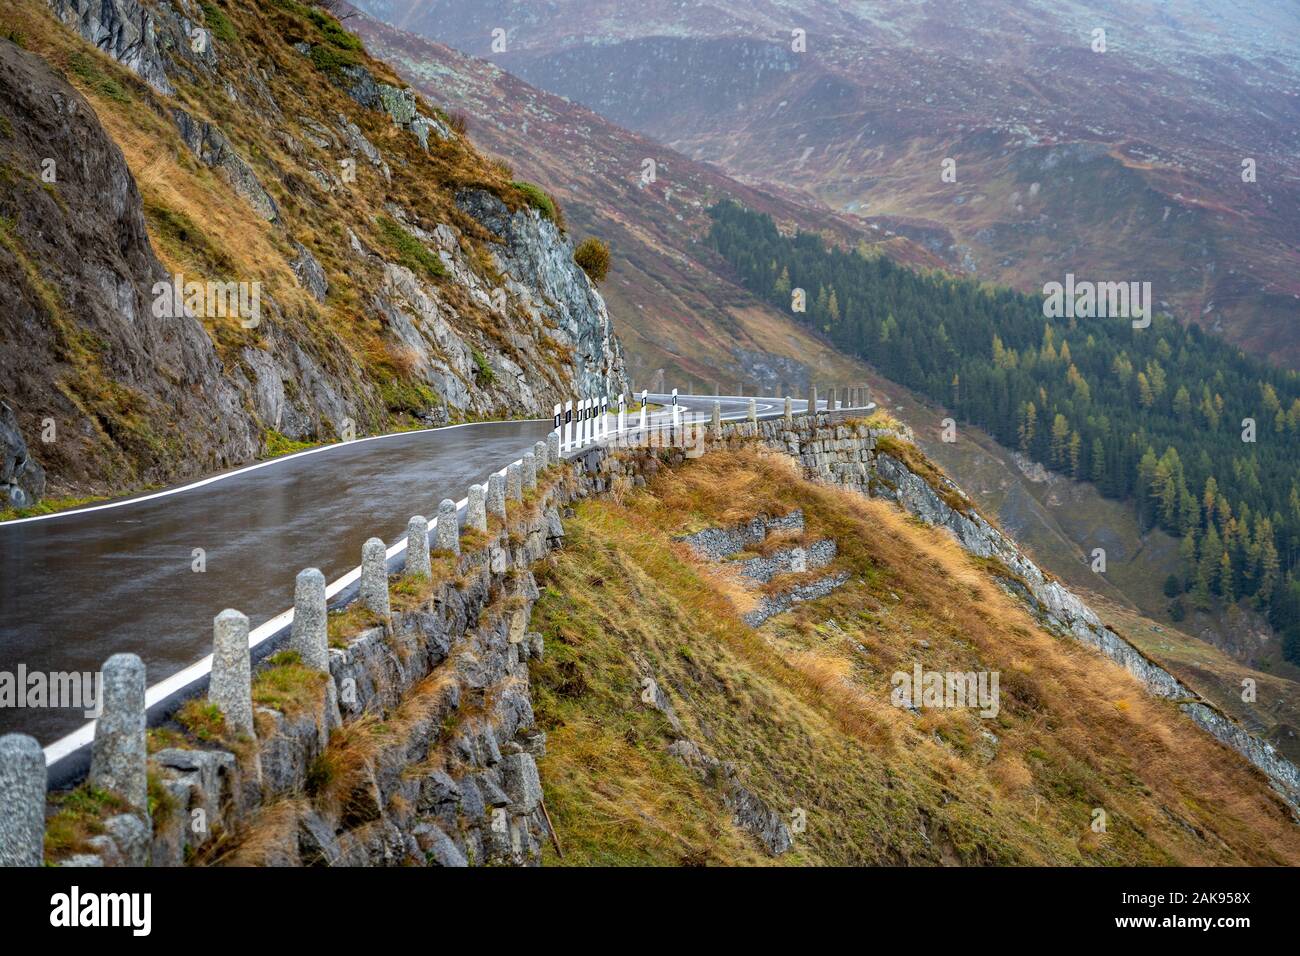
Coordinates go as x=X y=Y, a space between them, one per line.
x=183 y=678
x=254 y=467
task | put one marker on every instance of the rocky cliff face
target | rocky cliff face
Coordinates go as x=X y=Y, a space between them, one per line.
x=401 y=279
x=90 y=373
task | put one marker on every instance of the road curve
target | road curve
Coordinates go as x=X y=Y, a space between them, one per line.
x=82 y=585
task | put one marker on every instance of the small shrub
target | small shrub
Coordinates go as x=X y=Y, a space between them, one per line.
x=410 y=251
x=218 y=23
x=333 y=31
x=329 y=60
x=459 y=122
x=90 y=73
x=539 y=200
x=485 y=374
x=278 y=444
x=593 y=256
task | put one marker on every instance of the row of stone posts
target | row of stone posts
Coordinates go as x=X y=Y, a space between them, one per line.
x=850 y=396
x=119 y=754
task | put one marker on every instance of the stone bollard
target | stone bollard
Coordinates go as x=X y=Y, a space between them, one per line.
x=476 y=509
x=789 y=411
x=542 y=456
x=374 y=578
x=716 y=429
x=119 y=757
x=812 y=400
x=753 y=412
x=309 y=636
x=514 y=482
x=448 y=529
x=230 y=686
x=529 y=476
x=417 y=547
x=553 y=448
x=496 y=496
x=22 y=797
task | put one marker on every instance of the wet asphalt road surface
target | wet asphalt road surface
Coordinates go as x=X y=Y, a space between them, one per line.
x=78 y=587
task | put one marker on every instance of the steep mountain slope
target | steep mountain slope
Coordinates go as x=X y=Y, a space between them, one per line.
x=673 y=310
x=1067 y=159
x=357 y=265
x=679 y=734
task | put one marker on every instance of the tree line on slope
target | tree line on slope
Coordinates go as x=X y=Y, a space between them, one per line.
x=1154 y=416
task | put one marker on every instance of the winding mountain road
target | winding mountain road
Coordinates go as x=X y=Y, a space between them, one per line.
x=82 y=585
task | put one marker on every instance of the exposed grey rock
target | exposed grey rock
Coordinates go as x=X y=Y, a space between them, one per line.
x=717 y=544
x=309 y=635
x=374 y=577
x=89 y=240
x=210 y=779
x=118 y=754
x=211 y=145
x=310 y=272
x=437 y=846
x=22 y=797
x=131 y=836
x=22 y=480
x=448 y=528
x=317 y=844
x=493 y=794
x=417 y=547
x=538 y=260
x=230 y=685
x=126 y=30
x=522 y=782
x=471 y=800
x=659 y=701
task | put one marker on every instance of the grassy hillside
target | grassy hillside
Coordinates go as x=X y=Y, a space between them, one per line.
x=277 y=151
x=801 y=706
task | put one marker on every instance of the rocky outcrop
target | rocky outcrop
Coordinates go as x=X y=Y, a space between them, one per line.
x=128 y=31
x=536 y=260
x=22 y=480
x=210 y=144
x=82 y=345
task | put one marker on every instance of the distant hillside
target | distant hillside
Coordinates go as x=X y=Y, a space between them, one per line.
x=673 y=311
x=1199 y=437
x=1120 y=164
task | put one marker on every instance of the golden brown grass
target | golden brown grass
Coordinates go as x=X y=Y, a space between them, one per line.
x=803 y=705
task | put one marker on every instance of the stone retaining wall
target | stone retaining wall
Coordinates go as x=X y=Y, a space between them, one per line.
x=454 y=780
